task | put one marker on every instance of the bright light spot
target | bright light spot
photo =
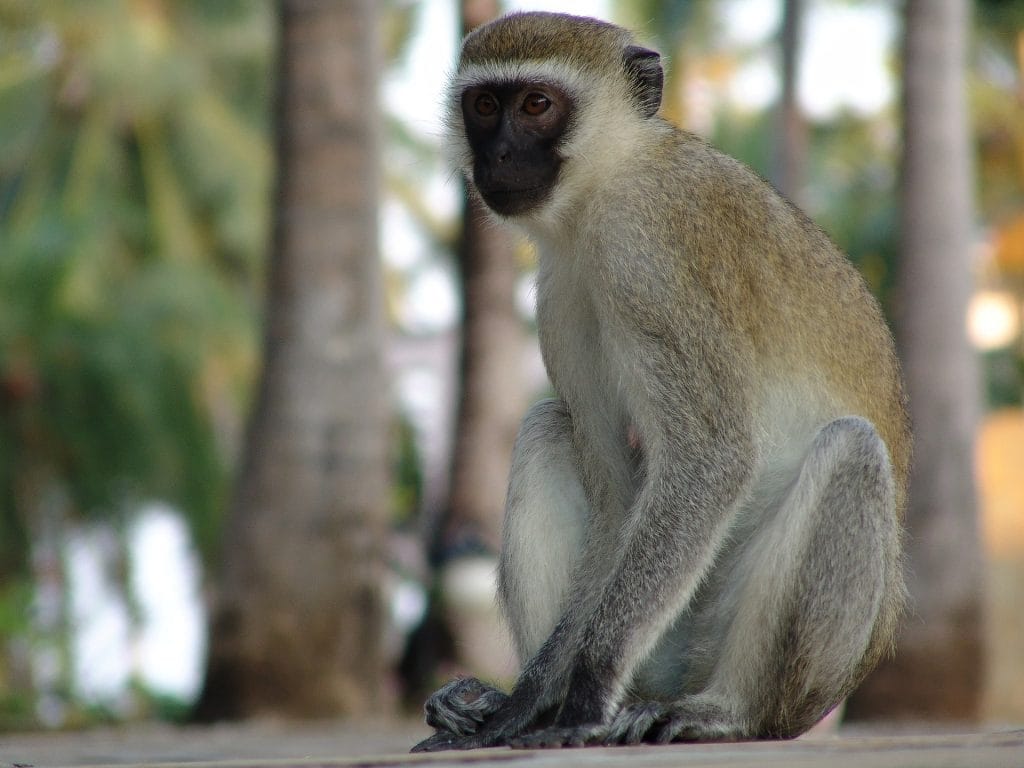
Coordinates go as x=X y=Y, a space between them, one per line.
x=749 y=22
x=470 y=581
x=413 y=89
x=400 y=244
x=844 y=63
x=408 y=605
x=419 y=389
x=526 y=295
x=101 y=638
x=431 y=303
x=755 y=85
x=993 y=319
x=576 y=7
x=166 y=581
x=445 y=194
x=165 y=650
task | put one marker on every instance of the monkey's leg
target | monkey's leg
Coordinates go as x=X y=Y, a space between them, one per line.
x=545 y=515
x=819 y=590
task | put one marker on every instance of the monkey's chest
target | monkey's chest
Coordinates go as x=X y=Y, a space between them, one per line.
x=579 y=351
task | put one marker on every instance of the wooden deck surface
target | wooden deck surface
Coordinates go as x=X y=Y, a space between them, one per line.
x=278 y=745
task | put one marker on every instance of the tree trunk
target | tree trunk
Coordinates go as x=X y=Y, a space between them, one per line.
x=791 y=141
x=491 y=400
x=298 y=620
x=463 y=620
x=937 y=671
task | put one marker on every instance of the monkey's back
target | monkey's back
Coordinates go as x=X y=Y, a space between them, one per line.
x=792 y=297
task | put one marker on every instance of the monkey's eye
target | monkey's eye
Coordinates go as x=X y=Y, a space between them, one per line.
x=536 y=104
x=485 y=105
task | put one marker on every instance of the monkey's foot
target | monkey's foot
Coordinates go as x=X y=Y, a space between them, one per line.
x=557 y=737
x=462 y=705
x=651 y=722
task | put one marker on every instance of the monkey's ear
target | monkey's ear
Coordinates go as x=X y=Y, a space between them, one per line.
x=644 y=67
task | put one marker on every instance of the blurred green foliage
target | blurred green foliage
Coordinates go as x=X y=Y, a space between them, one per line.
x=134 y=181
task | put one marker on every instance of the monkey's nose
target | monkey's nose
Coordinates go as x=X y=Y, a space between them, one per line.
x=502 y=154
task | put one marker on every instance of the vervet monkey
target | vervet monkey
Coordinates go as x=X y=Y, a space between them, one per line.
x=702 y=530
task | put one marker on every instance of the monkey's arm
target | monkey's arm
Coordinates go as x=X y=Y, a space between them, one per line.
x=697 y=463
x=690 y=407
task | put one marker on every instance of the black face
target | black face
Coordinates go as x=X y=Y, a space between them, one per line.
x=514 y=130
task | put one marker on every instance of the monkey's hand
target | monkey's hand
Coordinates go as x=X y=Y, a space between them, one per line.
x=462 y=705
x=457 y=710
x=507 y=715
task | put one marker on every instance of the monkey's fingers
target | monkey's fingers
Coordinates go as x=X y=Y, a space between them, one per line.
x=634 y=723
x=456 y=722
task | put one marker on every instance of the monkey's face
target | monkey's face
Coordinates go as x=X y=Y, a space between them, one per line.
x=514 y=131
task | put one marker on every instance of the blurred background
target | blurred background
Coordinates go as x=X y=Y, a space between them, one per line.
x=262 y=363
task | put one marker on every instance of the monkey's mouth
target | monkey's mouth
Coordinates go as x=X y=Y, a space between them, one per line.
x=508 y=201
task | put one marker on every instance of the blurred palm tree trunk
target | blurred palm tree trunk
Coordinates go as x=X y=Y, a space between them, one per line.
x=299 y=614
x=937 y=670
x=462 y=625
x=791 y=135
x=491 y=401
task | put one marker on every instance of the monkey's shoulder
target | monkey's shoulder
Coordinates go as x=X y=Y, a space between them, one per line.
x=694 y=213
x=705 y=191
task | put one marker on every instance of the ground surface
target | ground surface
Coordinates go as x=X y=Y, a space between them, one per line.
x=368 y=744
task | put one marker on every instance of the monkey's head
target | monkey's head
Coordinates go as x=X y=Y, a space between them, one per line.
x=540 y=102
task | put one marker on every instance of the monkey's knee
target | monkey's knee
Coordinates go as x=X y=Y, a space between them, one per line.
x=850 y=447
x=854 y=530
x=848 y=587
x=543 y=454
x=542 y=535
x=845 y=499
x=543 y=460
x=547 y=421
